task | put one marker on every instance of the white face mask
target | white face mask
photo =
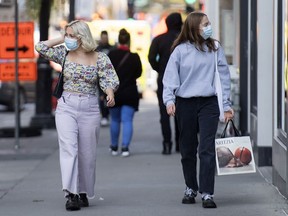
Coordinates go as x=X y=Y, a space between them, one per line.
x=206 y=32
x=71 y=43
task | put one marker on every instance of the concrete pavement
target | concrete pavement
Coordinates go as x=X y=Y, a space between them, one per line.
x=144 y=184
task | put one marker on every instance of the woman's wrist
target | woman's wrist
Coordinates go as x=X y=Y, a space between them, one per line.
x=109 y=92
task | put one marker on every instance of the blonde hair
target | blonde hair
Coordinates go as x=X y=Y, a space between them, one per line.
x=82 y=31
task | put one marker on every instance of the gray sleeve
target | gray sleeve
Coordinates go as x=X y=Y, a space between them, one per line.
x=171 y=80
x=224 y=77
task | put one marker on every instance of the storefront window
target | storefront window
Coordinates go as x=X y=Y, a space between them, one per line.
x=282 y=69
x=286 y=64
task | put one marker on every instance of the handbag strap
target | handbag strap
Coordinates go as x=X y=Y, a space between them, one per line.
x=64 y=60
x=215 y=56
x=236 y=132
x=122 y=61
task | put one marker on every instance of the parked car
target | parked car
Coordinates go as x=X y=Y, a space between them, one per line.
x=26 y=94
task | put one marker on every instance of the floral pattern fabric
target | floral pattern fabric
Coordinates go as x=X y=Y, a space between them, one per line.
x=82 y=78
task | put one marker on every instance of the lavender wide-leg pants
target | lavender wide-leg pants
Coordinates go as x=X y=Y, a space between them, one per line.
x=78 y=125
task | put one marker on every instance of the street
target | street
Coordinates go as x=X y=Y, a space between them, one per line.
x=145 y=184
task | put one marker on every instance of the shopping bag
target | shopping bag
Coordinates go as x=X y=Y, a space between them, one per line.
x=234 y=155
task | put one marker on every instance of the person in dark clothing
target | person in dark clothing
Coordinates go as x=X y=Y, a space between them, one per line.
x=104 y=47
x=158 y=56
x=128 y=68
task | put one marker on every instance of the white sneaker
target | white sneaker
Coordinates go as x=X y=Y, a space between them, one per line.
x=104 y=122
x=114 y=151
x=125 y=152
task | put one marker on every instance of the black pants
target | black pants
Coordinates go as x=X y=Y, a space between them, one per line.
x=198 y=115
x=165 y=121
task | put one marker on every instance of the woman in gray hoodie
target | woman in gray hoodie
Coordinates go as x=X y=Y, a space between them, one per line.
x=189 y=94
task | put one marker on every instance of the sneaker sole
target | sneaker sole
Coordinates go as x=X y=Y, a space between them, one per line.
x=188 y=201
x=209 y=205
x=84 y=205
x=113 y=153
x=72 y=208
x=125 y=154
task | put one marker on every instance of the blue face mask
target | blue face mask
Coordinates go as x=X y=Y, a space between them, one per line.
x=71 y=43
x=206 y=32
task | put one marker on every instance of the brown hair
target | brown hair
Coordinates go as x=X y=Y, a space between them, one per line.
x=124 y=37
x=191 y=33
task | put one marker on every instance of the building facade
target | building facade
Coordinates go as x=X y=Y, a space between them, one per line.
x=257 y=31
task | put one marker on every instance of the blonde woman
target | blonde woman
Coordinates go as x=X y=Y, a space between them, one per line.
x=77 y=113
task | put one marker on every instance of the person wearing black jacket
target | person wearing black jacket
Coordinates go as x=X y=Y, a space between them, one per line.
x=158 y=57
x=104 y=47
x=128 y=68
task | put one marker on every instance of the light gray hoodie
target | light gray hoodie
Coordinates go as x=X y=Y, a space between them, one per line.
x=190 y=73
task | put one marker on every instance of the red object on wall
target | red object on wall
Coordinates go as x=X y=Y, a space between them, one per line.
x=244 y=155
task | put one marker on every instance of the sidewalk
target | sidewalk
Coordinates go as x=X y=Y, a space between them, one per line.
x=144 y=184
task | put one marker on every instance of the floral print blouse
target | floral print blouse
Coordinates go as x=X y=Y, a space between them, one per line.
x=82 y=78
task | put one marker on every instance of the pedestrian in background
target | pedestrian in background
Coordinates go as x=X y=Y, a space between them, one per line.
x=105 y=47
x=128 y=68
x=158 y=56
x=190 y=95
x=77 y=112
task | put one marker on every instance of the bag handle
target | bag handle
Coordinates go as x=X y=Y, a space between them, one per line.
x=236 y=132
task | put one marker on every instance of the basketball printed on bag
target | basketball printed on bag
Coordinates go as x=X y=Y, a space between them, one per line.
x=244 y=155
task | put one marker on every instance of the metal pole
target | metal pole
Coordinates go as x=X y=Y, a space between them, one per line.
x=244 y=62
x=43 y=117
x=72 y=10
x=17 y=113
